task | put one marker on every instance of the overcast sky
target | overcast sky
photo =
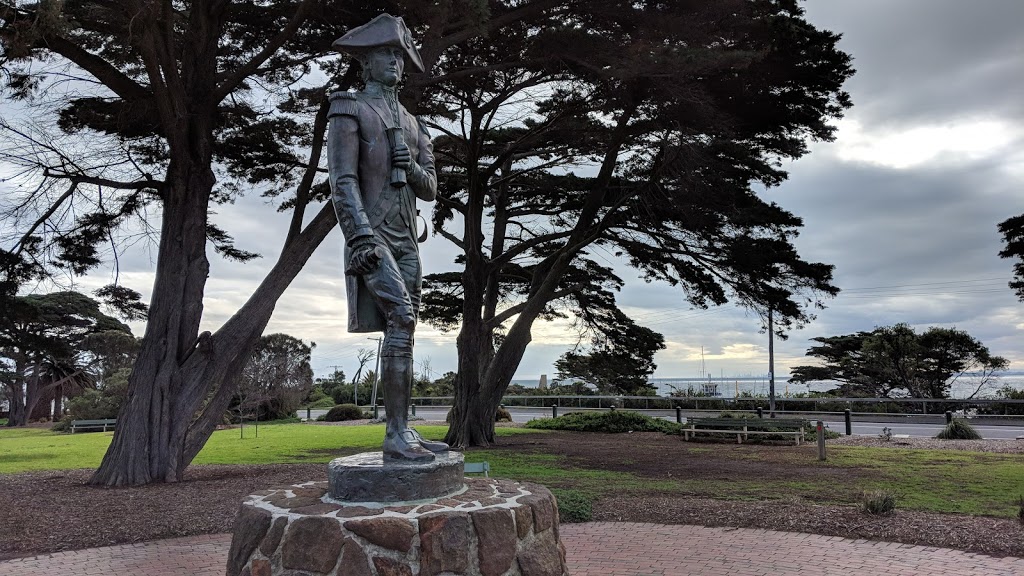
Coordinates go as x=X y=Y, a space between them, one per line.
x=904 y=203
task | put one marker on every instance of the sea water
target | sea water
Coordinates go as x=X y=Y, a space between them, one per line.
x=962 y=387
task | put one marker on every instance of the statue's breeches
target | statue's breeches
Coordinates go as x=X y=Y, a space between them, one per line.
x=394 y=287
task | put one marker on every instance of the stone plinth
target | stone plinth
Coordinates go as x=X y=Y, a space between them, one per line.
x=367 y=477
x=491 y=528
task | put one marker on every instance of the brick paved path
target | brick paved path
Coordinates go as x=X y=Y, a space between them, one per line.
x=595 y=549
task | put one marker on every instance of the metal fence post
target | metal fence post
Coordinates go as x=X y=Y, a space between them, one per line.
x=376 y=413
x=849 y=422
x=949 y=417
x=308 y=414
x=679 y=415
x=821 y=440
x=554 y=410
x=760 y=412
x=413 y=408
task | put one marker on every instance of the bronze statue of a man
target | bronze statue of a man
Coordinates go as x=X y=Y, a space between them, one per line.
x=381 y=160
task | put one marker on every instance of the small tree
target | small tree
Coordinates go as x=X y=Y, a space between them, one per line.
x=277 y=377
x=619 y=363
x=45 y=340
x=896 y=361
x=332 y=385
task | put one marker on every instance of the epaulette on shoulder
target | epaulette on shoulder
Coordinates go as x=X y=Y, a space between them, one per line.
x=422 y=121
x=344 y=104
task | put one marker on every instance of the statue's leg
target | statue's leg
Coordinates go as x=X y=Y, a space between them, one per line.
x=388 y=288
x=410 y=268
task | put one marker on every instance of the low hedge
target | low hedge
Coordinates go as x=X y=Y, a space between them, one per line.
x=344 y=412
x=613 y=422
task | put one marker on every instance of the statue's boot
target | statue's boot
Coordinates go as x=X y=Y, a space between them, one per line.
x=400 y=443
x=405 y=447
x=433 y=446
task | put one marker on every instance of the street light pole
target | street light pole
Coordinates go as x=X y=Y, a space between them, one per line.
x=376 y=372
x=771 y=367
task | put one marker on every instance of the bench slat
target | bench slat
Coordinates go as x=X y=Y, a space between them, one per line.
x=103 y=424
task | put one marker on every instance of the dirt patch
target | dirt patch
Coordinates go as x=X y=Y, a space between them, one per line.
x=50 y=511
x=660 y=456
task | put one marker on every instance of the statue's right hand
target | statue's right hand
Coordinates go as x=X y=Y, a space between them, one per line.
x=364 y=258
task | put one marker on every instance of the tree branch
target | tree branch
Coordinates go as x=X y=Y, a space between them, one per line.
x=232 y=81
x=512 y=311
x=302 y=192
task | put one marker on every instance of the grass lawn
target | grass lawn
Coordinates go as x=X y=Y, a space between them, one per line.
x=940 y=480
x=928 y=480
x=25 y=449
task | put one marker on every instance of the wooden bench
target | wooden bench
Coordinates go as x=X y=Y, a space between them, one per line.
x=743 y=427
x=477 y=468
x=82 y=425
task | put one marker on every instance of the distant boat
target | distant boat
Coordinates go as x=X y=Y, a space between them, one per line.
x=710 y=388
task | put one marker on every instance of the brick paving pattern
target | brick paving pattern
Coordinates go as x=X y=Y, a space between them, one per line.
x=594 y=549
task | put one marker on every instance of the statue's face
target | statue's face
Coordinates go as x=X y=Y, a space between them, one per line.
x=385 y=64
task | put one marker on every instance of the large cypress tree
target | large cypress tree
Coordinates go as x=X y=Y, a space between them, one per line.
x=631 y=130
x=171 y=107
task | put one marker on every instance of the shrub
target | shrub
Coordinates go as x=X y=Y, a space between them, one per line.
x=321 y=403
x=343 y=412
x=1020 y=510
x=879 y=502
x=62 y=425
x=502 y=415
x=811 y=431
x=958 y=430
x=573 y=506
x=610 y=422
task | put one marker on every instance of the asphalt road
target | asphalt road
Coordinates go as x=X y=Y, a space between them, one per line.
x=862 y=426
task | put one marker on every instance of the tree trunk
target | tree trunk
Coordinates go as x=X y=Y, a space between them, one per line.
x=147 y=444
x=163 y=425
x=58 y=404
x=17 y=401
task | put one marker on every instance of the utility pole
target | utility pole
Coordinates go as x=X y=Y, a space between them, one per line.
x=334 y=374
x=376 y=372
x=771 y=367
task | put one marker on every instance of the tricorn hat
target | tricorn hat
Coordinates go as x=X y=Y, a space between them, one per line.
x=384 y=30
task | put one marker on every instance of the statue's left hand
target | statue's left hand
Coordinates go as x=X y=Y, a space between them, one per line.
x=401 y=157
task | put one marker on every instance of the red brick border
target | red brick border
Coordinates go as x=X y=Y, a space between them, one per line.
x=594 y=549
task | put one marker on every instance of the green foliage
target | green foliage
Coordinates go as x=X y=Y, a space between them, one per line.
x=321 y=403
x=328 y=386
x=958 y=429
x=879 y=502
x=620 y=363
x=344 y=412
x=1009 y=393
x=613 y=421
x=574 y=506
x=897 y=361
x=1020 y=509
x=59 y=342
x=275 y=380
x=443 y=386
x=1012 y=231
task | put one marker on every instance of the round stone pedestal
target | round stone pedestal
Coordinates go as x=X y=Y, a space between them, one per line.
x=367 y=477
x=490 y=528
